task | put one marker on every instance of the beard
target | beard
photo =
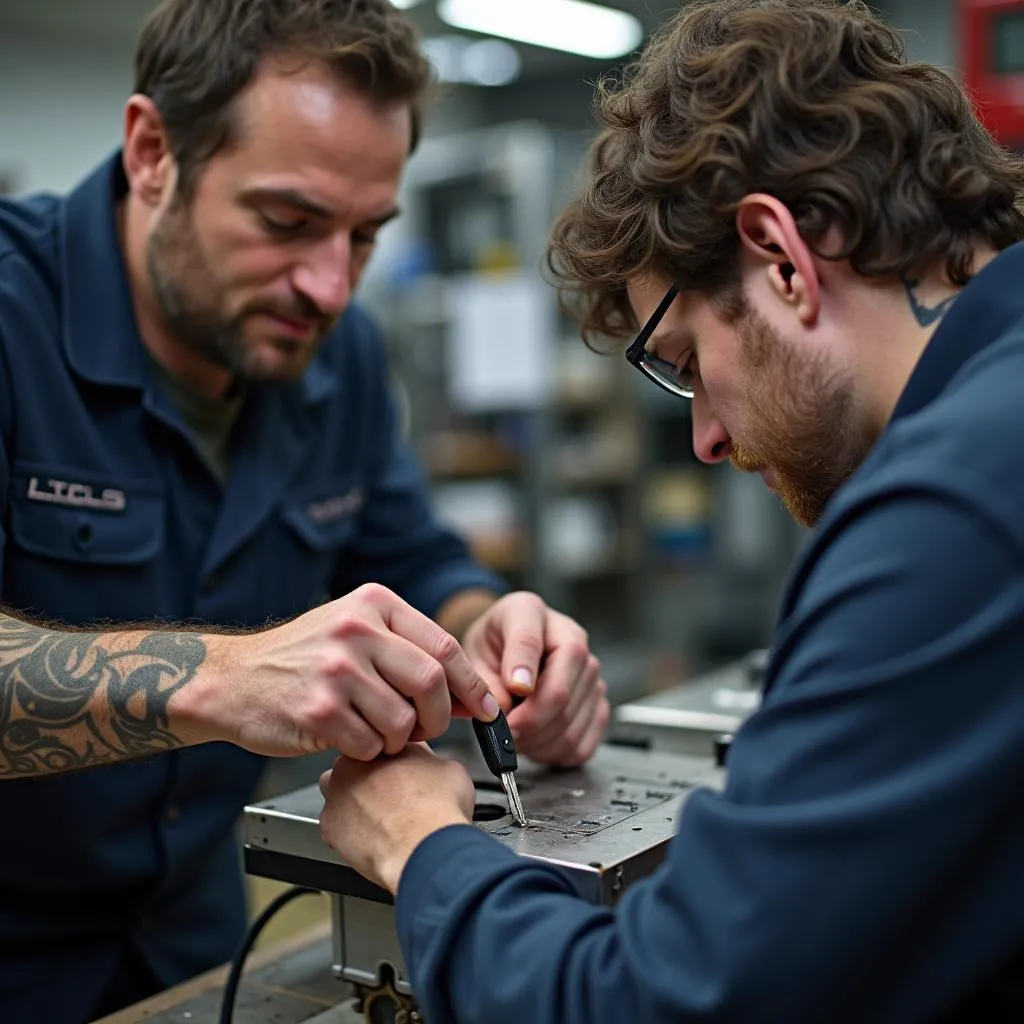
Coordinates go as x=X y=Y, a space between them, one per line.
x=186 y=288
x=808 y=430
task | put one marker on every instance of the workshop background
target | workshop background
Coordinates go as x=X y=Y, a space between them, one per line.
x=568 y=473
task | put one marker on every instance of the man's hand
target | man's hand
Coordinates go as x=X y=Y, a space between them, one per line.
x=364 y=674
x=523 y=648
x=377 y=814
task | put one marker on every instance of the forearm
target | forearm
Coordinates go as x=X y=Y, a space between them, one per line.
x=73 y=699
x=462 y=609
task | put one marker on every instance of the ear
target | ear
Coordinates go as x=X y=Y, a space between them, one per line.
x=770 y=236
x=148 y=163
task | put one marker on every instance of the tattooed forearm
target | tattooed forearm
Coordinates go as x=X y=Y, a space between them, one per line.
x=71 y=700
x=925 y=315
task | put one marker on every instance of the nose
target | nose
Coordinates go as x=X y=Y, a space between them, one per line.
x=325 y=275
x=711 y=441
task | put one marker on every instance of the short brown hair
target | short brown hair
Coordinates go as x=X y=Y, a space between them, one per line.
x=195 y=56
x=811 y=101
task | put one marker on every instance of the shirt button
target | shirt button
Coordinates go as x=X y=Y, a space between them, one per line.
x=173 y=812
x=82 y=537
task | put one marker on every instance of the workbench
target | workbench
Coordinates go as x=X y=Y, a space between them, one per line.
x=288 y=983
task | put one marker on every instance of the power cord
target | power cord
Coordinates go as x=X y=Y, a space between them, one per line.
x=227 y=1006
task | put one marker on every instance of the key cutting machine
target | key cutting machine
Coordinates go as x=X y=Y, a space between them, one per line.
x=608 y=823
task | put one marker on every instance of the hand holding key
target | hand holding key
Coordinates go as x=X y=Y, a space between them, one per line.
x=364 y=674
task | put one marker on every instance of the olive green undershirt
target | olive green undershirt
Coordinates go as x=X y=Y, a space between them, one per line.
x=209 y=420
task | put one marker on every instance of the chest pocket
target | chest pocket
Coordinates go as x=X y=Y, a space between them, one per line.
x=65 y=513
x=326 y=518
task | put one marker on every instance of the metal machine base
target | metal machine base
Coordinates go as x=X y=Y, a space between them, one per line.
x=689 y=719
x=607 y=823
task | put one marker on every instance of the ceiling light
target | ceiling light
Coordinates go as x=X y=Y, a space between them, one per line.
x=490 y=62
x=569 y=25
x=445 y=53
x=404 y=5
x=475 y=62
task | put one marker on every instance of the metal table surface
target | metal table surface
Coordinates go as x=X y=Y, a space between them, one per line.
x=606 y=822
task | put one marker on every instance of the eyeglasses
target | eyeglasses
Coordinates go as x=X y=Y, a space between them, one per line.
x=665 y=374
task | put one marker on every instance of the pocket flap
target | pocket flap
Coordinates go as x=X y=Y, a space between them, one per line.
x=326 y=518
x=81 y=516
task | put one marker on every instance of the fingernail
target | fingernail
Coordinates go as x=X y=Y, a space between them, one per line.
x=523 y=677
x=490 y=706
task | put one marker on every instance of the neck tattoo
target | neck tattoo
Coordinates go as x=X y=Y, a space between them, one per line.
x=925 y=315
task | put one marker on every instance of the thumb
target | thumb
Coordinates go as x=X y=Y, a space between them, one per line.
x=523 y=629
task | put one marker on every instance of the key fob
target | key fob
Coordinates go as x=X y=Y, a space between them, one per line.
x=497 y=745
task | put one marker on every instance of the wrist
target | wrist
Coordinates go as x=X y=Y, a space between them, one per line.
x=196 y=711
x=390 y=864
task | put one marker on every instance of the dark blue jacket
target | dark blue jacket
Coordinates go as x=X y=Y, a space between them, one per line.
x=322 y=497
x=865 y=862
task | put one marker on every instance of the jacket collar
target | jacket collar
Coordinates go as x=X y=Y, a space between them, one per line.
x=986 y=308
x=101 y=336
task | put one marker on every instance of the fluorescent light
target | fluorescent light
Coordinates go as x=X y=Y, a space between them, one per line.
x=569 y=25
x=404 y=5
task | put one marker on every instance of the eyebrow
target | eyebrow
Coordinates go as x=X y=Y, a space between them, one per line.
x=292 y=197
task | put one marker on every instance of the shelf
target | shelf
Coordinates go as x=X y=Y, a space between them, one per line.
x=596 y=476
x=619 y=556
x=500 y=552
x=467 y=455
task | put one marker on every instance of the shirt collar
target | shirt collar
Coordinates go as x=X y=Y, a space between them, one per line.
x=101 y=336
x=982 y=313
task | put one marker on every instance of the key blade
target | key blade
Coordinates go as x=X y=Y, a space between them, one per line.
x=508 y=782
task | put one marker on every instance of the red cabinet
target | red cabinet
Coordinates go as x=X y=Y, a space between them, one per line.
x=991 y=57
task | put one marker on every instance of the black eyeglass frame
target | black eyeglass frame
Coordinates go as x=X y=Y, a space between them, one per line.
x=638 y=356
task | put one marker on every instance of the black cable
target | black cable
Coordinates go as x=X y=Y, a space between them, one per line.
x=227 y=1006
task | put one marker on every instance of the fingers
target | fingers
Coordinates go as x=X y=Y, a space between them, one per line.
x=497 y=690
x=354 y=737
x=415 y=675
x=566 y=731
x=579 y=742
x=464 y=682
x=552 y=703
x=522 y=619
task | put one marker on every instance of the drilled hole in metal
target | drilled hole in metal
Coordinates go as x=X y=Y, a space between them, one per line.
x=489 y=812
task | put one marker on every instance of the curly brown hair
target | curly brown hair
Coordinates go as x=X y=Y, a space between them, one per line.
x=810 y=101
x=195 y=56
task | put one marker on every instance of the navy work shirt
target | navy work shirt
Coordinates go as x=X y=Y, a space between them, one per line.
x=322 y=497
x=865 y=861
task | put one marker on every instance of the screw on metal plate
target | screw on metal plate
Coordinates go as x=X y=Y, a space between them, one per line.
x=618 y=882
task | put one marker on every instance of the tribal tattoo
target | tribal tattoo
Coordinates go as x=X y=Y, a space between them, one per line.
x=72 y=700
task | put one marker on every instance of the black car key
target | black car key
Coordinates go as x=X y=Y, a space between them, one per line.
x=499 y=750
